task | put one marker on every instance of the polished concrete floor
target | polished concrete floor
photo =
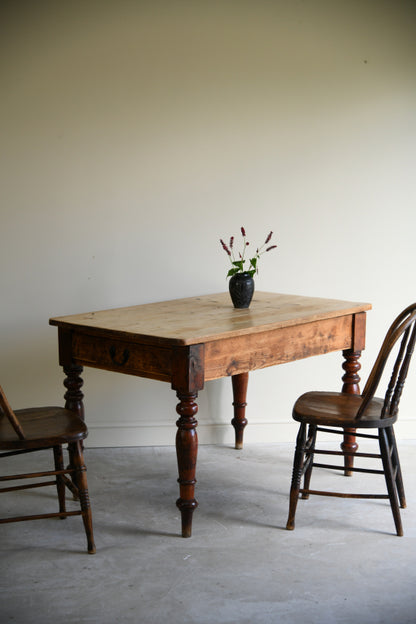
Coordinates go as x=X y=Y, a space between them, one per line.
x=343 y=563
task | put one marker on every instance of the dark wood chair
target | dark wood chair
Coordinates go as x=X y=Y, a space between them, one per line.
x=332 y=412
x=35 y=429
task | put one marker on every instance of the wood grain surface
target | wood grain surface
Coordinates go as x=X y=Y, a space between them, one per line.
x=207 y=318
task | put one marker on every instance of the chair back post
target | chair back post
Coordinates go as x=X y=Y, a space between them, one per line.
x=11 y=416
x=398 y=386
x=403 y=327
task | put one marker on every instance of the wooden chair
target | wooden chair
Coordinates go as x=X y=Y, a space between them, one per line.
x=332 y=412
x=35 y=429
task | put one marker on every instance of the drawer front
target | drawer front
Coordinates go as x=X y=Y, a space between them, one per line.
x=122 y=356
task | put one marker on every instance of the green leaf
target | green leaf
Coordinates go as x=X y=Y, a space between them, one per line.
x=232 y=272
x=238 y=264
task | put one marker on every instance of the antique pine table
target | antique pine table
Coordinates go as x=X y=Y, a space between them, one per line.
x=189 y=341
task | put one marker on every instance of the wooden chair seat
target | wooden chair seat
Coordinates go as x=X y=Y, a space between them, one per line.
x=42 y=426
x=35 y=429
x=337 y=413
x=337 y=409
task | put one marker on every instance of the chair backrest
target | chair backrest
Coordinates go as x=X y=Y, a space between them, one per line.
x=404 y=328
x=6 y=410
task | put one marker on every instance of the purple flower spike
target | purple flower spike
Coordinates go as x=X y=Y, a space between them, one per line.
x=268 y=238
x=224 y=246
x=243 y=232
x=272 y=247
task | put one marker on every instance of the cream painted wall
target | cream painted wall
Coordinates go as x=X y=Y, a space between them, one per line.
x=136 y=134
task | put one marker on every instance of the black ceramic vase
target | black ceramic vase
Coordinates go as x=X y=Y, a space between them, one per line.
x=241 y=288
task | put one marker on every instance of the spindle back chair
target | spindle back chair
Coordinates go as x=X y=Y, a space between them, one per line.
x=332 y=412
x=34 y=429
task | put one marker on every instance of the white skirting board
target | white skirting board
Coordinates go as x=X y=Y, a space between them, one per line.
x=163 y=434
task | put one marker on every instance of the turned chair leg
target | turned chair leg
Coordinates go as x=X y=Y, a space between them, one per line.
x=396 y=465
x=81 y=479
x=60 y=484
x=71 y=483
x=390 y=480
x=310 y=446
x=296 y=476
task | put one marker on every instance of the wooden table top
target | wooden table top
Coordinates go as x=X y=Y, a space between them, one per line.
x=196 y=320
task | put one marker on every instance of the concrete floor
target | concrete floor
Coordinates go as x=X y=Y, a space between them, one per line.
x=343 y=563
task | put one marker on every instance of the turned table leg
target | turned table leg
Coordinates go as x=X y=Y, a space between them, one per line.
x=73 y=395
x=186 y=451
x=351 y=380
x=239 y=421
x=73 y=401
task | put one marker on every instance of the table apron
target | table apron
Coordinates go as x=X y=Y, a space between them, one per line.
x=245 y=353
x=223 y=357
